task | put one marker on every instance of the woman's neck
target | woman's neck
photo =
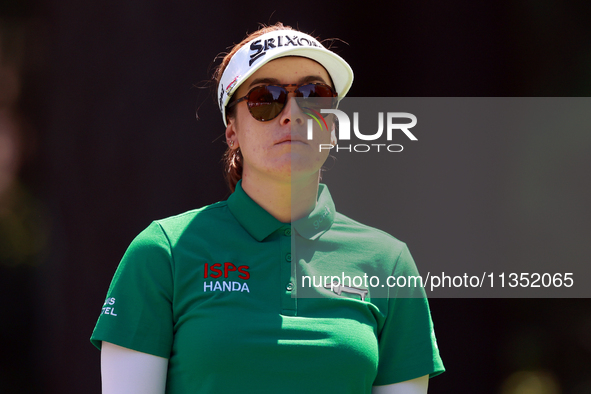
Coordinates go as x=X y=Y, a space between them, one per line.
x=286 y=201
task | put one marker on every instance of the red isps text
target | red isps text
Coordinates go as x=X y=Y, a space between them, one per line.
x=216 y=271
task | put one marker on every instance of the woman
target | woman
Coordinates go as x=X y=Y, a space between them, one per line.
x=206 y=301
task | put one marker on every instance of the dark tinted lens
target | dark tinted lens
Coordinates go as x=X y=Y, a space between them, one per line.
x=315 y=90
x=323 y=95
x=266 y=102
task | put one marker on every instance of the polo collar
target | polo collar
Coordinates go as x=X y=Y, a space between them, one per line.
x=320 y=219
x=255 y=220
x=260 y=223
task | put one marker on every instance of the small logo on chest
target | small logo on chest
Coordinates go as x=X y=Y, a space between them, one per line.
x=226 y=270
x=338 y=289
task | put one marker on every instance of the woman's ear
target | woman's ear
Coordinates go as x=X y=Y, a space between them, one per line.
x=333 y=134
x=231 y=135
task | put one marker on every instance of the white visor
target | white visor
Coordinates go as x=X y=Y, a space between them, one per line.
x=261 y=50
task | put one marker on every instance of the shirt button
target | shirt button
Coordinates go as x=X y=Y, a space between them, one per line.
x=288 y=257
x=289 y=286
x=287 y=232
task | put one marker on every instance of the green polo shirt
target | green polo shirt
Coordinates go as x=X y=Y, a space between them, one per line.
x=222 y=292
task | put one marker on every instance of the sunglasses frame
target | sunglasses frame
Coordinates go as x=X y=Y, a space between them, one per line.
x=282 y=86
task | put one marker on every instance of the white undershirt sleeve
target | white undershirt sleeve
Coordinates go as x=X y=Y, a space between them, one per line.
x=414 y=386
x=126 y=371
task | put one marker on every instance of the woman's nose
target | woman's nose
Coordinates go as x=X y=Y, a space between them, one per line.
x=292 y=111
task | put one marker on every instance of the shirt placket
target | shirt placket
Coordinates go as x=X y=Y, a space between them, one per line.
x=288 y=283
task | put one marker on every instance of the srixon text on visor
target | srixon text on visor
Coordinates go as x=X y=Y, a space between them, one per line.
x=260 y=47
x=345 y=131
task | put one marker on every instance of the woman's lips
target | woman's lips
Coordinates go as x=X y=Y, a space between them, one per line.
x=290 y=140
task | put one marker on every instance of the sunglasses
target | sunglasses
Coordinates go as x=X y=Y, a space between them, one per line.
x=265 y=102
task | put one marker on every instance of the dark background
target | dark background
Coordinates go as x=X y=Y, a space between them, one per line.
x=102 y=98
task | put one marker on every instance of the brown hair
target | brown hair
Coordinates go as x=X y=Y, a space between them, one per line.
x=233 y=157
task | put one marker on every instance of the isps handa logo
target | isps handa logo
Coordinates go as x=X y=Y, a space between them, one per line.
x=395 y=122
x=228 y=271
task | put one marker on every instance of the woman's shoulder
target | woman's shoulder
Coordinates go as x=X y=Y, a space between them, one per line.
x=204 y=213
x=381 y=252
x=200 y=220
x=346 y=224
x=367 y=239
